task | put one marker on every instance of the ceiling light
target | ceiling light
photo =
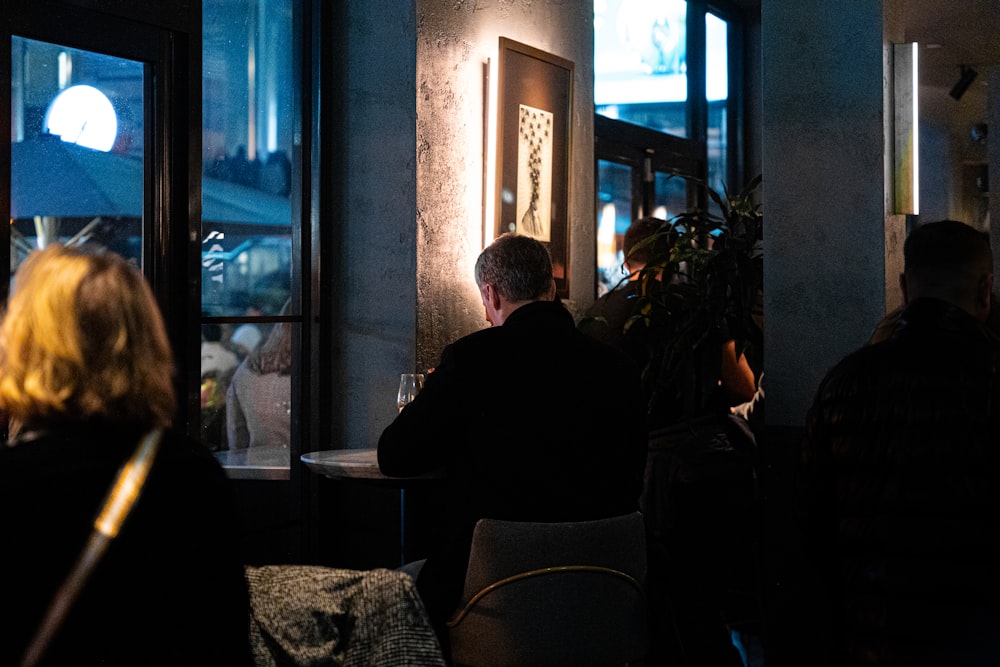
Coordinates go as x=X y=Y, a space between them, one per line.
x=968 y=76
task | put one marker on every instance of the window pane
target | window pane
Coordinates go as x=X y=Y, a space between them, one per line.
x=248 y=236
x=614 y=215
x=671 y=195
x=246 y=397
x=76 y=149
x=717 y=93
x=640 y=62
x=247 y=141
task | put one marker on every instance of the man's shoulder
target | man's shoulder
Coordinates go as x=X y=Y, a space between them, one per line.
x=898 y=360
x=478 y=343
x=605 y=318
x=483 y=336
x=863 y=362
x=616 y=300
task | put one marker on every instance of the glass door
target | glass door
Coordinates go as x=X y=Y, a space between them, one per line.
x=77 y=149
x=639 y=173
x=96 y=144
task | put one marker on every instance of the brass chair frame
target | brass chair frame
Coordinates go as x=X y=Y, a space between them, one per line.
x=582 y=609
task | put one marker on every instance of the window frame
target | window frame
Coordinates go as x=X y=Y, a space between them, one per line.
x=646 y=150
x=301 y=194
x=170 y=202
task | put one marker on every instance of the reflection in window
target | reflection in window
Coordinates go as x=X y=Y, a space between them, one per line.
x=249 y=310
x=259 y=407
x=614 y=215
x=76 y=149
x=247 y=142
x=671 y=195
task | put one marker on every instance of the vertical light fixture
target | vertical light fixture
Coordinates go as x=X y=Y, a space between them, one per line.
x=906 y=132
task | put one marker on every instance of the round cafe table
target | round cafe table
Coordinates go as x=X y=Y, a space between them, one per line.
x=357 y=464
x=362 y=464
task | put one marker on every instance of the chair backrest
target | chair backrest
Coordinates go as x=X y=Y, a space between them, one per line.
x=553 y=594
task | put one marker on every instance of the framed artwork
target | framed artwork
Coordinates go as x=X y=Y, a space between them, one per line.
x=535 y=93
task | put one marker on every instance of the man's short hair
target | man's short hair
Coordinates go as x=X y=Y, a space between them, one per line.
x=518 y=267
x=637 y=253
x=941 y=257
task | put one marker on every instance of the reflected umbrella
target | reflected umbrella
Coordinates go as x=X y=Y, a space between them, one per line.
x=51 y=178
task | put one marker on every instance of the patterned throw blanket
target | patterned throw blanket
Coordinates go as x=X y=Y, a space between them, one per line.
x=315 y=616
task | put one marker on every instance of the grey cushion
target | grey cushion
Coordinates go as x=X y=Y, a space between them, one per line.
x=315 y=616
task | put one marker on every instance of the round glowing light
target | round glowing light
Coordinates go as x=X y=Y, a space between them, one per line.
x=83 y=115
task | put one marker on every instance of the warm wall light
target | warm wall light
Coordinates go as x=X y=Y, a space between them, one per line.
x=964 y=81
x=490 y=150
x=906 y=134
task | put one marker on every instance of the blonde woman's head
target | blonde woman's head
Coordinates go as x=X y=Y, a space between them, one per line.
x=82 y=340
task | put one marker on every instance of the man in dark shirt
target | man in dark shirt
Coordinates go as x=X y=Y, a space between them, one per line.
x=519 y=418
x=901 y=480
x=646 y=246
x=605 y=319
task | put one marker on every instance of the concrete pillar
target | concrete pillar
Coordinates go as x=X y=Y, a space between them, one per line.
x=825 y=191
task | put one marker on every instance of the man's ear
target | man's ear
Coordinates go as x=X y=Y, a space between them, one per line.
x=984 y=292
x=492 y=296
x=902 y=287
x=550 y=294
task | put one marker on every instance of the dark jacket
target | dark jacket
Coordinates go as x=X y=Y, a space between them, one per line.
x=901 y=490
x=531 y=420
x=170 y=589
x=695 y=392
x=605 y=320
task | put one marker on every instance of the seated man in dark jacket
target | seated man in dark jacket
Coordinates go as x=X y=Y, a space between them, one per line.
x=901 y=477
x=517 y=416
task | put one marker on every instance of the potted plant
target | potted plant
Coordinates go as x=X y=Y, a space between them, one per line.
x=704 y=287
x=698 y=290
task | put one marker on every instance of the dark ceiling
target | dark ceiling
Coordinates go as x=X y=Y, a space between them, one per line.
x=951 y=33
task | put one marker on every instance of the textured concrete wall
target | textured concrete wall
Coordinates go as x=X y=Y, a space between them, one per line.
x=824 y=191
x=369 y=277
x=409 y=178
x=455 y=41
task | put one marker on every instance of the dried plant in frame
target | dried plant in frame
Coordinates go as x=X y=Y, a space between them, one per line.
x=534 y=102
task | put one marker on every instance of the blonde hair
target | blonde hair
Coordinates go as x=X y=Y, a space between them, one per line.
x=83 y=339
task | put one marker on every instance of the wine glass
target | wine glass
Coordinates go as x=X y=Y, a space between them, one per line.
x=409 y=385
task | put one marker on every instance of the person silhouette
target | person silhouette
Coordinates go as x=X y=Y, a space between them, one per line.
x=515 y=417
x=900 y=482
x=86 y=373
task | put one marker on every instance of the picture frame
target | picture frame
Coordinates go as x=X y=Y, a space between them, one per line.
x=534 y=114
